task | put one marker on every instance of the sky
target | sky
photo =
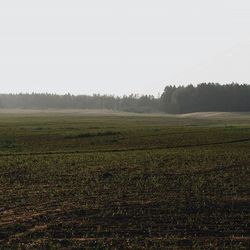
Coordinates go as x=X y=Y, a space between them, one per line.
x=121 y=47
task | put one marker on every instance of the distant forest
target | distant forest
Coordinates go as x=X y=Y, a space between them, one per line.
x=175 y=100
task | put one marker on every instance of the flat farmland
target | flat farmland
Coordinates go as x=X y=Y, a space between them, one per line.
x=92 y=180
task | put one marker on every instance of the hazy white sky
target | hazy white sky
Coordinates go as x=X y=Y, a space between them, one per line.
x=116 y=47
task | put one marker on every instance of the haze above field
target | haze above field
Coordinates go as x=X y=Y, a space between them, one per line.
x=116 y=47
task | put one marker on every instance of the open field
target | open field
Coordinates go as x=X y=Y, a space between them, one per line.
x=75 y=180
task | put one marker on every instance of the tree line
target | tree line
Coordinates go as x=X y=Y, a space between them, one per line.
x=174 y=99
x=206 y=97
x=131 y=103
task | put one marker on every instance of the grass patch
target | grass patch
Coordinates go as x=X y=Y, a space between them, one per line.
x=89 y=134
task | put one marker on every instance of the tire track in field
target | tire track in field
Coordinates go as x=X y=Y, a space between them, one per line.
x=126 y=149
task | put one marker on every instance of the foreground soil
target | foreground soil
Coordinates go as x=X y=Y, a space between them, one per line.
x=79 y=181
